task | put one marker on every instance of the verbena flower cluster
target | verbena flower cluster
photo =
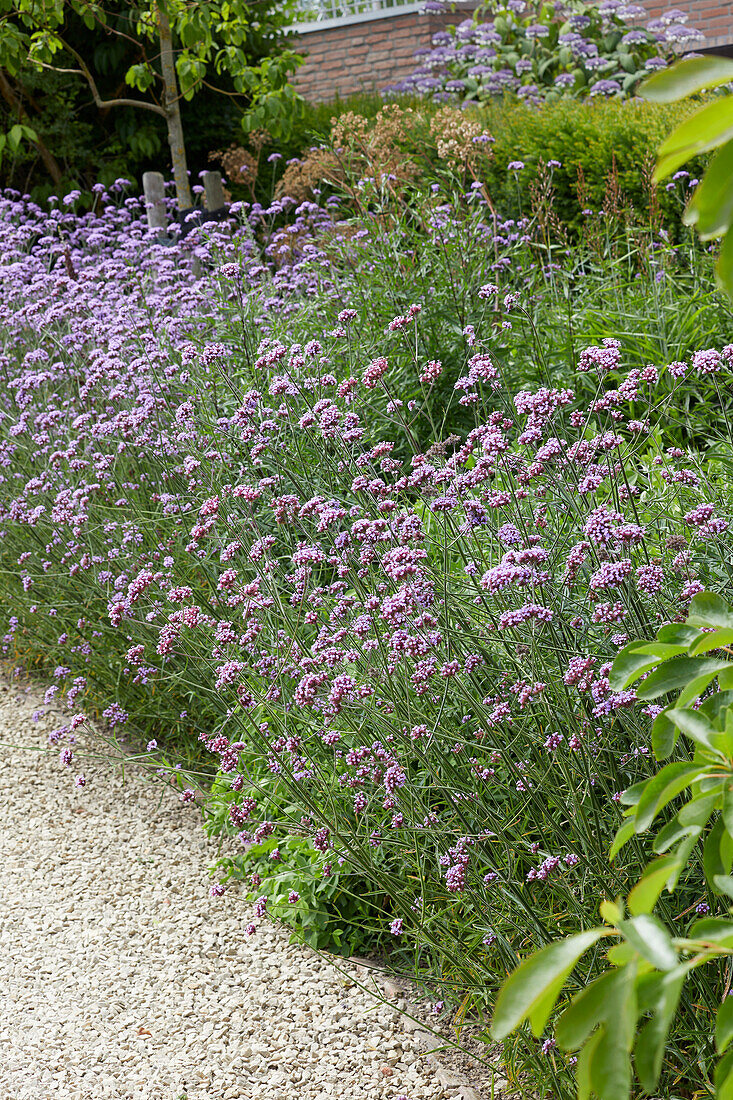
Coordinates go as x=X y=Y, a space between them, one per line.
x=543 y=51
x=396 y=613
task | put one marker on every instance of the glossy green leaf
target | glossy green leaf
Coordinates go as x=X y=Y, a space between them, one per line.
x=682 y=855
x=708 y=128
x=727 y=808
x=664 y=736
x=677 y=634
x=623 y=836
x=645 y=894
x=694 y=725
x=537 y=982
x=722 y=637
x=724 y=265
x=715 y=857
x=686 y=78
x=631 y=796
x=583 y=1068
x=651 y=1040
x=696 y=687
x=661 y=789
x=711 y=209
x=713 y=930
x=587 y=1010
x=650 y=938
x=724 y=1025
x=610 y=1070
x=697 y=811
x=672 y=832
x=709 y=609
x=630 y=663
x=676 y=674
x=724 y=885
x=724 y=1078
x=621 y=954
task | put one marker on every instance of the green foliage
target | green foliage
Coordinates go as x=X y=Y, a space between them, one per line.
x=592 y=141
x=543 y=52
x=710 y=209
x=604 y=147
x=607 y=1021
x=236 y=63
x=333 y=912
x=13 y=138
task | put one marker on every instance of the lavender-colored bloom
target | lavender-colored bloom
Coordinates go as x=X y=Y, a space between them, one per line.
x=605 y=88
x=680 y=35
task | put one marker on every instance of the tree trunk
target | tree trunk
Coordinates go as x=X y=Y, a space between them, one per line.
x=172 y=112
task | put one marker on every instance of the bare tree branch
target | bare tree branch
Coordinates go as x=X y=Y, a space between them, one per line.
x=103 y=103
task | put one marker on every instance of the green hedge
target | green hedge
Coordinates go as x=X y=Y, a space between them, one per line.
x=589 y=134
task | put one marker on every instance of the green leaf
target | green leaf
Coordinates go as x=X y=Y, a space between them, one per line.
x=664 y=736
x=629 y=664
x=651 y=1040
x=671 y=833
x=708 y=642
x=582 y=1070
x=537 y=982
x=695 y=726
x=677 y=634
x=678 y=673
x=697 y=811
x=631 y=796
x=686 y=78
x=610 y=1069
x=711 y=208
x=611 y=911
x=727 y=810
x=15 y=136
x=724 y=1078
x=724 y=884
x=643 y=897
x=650 y=938
x=724 y=1025
x=661 y=789
x=622 y=837
x=713 y=930
x=715 y=856
x=724 y=265
x=708 y=128
x=587 y=1009
x=709 y=609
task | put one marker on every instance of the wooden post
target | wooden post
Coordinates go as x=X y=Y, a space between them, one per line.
x=213 y=191
x=154 y=188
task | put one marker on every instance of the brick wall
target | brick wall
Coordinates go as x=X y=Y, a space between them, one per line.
x=713 y=17
x=370 y=52
x=367 y=55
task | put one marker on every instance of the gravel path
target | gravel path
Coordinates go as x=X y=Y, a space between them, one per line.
x=120 y=977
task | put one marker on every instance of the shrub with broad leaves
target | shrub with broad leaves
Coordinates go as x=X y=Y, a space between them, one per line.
x=620 y=1022
x=540 y=51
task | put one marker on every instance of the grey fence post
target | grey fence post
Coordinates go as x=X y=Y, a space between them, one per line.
x=154 y=189
x=213 y=191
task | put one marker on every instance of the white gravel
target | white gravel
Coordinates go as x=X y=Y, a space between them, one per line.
x=120 y=977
